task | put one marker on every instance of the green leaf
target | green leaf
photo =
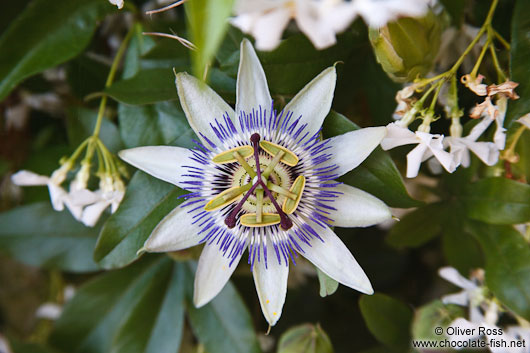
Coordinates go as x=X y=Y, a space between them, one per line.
x=46 y=34
x=208 y=22
x=388 y=320
x=139 y=45
x=158 y=85
x=519 y=53
x=81 y=123
x=507 y=265
x=147 y=200
x=295 y=62
x=461 y=249
x=432 y=315
x=165 y=122
x=328 y=285
x=306 y=338
x=378 y=174
x=498 y=201
x=128 y=310
x=155 y=325
x=223 y=325
x=419 y=226
x=86 y=75
x=39 y=236
x=146 y=87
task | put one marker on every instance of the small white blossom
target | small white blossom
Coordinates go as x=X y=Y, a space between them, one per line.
x=377 y=13
x=52 y=311
x=74 y=200
x=110 y=193
x=319 y=20
x=459 y=147
x=58 y=196
x=493 y=112
x=118 y=3
x=428 y=145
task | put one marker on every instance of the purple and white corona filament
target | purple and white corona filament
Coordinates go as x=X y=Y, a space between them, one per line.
x=262 y=181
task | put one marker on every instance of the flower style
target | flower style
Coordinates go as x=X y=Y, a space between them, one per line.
x=428 y=145
x=262 y=180
x=319 y=20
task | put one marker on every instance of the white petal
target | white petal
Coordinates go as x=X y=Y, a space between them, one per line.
x=252 y=90
x=178 y=230
x=333 y=258
x=92 y=213
x=271 y=285
x=75 y=210
x=58 y=196
x=451 y=274
x=460 y=298
x=414 y=159
x=314 y=100
x=310 y=21
x=49 y=311
x=464 y=326
x=201 y=105
x=83 y=197
x=213 y=271
x=268 y=28
x=163 y=162
x=356 y=208
x=351 y=149
x=27 y=178
x=488 y=152
x=398 y=136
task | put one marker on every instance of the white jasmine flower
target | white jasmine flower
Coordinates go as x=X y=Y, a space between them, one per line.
x=110 y=193
x=74 y=201
x=525 y=120
x=58 y=195
x=282 y=207
x=377 y=13
x=52 y=311
x=428 y=145
x=471 y=295
x=118 y=3
x=319 y=20
x=459 y=147
x=493 y=112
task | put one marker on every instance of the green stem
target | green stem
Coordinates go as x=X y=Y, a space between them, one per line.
x=485 y=26
x=110 y=78
x=480 y=58
x=501 y=76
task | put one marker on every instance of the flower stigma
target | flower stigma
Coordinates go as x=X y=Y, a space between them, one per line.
x=259 y=184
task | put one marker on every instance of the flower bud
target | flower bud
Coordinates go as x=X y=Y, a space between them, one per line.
x=59 y=175
x=299 y=338
x=406 y=48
